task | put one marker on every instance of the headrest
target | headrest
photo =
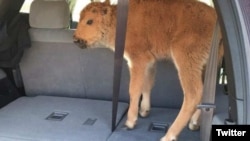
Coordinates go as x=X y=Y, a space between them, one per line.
x=49 y=14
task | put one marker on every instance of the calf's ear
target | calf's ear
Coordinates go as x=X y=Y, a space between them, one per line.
x=104 y=11
x=107 y=2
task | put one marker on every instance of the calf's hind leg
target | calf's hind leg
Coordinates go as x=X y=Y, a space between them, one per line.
x=146 y=89
x=190 y=75
x=194 y=123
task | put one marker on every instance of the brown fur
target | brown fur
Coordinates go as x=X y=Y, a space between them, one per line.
x=156 y=29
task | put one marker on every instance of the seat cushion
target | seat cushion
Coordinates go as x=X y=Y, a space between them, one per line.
x=28 y=119
x=149 y=129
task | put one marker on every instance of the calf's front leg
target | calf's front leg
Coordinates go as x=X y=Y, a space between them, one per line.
x=137 y=77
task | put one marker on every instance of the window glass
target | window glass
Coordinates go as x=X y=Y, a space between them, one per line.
x=209 y=2
x=26 y=6
x=80 y=4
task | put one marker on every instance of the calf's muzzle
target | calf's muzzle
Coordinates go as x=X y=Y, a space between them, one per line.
x=80 y=42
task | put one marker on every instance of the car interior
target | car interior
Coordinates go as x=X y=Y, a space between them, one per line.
x=59 y=92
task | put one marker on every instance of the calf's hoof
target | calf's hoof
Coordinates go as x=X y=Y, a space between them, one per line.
x=193 y=126
x=144 y=113
x=129 y=125
x=168 y=138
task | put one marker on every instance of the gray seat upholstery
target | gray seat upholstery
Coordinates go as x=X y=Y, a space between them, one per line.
x=27 y=119
x=53 y=58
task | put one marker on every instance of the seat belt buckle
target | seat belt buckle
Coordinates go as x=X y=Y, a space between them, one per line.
x=206 y=106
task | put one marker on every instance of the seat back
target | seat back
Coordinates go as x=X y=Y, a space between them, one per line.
x=54 y=65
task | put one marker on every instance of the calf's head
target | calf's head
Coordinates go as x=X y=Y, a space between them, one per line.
x=95 y=25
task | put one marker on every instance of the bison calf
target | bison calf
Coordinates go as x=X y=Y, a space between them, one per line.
x=156 y=29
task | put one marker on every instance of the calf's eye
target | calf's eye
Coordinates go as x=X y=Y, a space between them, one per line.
x=89 y=22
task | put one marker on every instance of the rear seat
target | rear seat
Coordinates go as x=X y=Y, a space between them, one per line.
x=53 y=76
x=53 y=58
x=62 y=79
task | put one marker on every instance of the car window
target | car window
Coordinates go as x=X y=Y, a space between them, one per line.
x=26 y=6
x=78 y=5
x=75 y=5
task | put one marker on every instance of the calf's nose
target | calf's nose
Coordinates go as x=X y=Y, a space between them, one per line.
x=80 y=42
